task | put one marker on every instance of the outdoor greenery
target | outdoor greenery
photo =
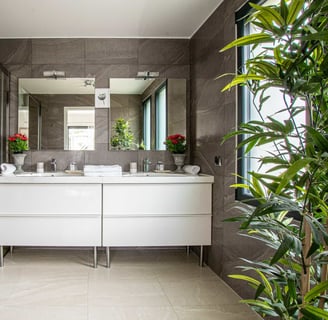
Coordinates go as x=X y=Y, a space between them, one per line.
x=292 y=194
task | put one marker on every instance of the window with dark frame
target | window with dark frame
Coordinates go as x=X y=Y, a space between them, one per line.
x=247 y=110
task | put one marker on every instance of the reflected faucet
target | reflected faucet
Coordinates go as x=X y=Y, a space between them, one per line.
x=53 y=165
x=146 y=165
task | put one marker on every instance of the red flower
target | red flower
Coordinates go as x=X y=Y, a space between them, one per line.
x=18 y=142
x=176 y=143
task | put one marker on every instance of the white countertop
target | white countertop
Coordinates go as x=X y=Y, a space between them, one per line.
x=140 y=177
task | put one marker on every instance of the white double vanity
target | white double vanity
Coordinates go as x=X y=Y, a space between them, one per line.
x=124 y=211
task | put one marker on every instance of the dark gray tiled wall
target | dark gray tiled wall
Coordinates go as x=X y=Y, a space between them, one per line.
x=213 y=114
x=99 y=58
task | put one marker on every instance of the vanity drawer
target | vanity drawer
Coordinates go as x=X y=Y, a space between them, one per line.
x=34 y=198
x=157 y=231
x=170 y=199
x=50 y=214
x=50 y=231
x=165 y=214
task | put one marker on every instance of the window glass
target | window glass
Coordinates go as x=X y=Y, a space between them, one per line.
x=161 y=116
x=147 y=124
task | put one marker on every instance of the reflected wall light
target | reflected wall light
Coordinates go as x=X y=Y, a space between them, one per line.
x=147 y=74
x=54 y=74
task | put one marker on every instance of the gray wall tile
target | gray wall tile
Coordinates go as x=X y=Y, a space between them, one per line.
x=163 y=51
x=58 y=51
x=14 y=51
x=111 y=51
x=213 y=114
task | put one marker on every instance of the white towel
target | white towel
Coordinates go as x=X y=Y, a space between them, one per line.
x=102 y=168
x=7 y=168
x=192 y=169
x=102 y=174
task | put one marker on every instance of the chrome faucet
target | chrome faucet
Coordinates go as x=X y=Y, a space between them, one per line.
x=53 y=165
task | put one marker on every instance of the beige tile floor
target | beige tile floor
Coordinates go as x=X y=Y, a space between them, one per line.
x=49 y=284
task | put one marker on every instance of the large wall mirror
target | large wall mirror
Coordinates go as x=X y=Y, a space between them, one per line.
x=145 y=111
x=57 y=113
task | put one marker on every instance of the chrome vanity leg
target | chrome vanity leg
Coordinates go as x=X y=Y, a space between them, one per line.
x=201 y=254
x=11 y=250
x=95 y=262
x=1 y=256
x=107 y=257
x=188 y=251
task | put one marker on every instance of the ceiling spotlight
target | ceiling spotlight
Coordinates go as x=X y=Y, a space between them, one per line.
x=147 y=74
x=54 y=74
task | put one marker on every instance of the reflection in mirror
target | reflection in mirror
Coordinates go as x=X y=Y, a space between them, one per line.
x=153 y=109
x=57 y=113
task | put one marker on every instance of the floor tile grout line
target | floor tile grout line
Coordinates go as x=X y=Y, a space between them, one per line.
x=169 y=300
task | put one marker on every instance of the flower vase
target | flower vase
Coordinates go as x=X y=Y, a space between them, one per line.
x=179 y=161
x=19 y=159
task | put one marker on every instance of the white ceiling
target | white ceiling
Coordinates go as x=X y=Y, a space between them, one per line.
x=103 y=18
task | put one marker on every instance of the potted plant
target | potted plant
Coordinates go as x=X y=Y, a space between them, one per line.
x=177 y=145
x=17 y=145
x=292 y=195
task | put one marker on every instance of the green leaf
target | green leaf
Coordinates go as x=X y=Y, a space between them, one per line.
x=292 y=288
x=316 y=291
x=265 y=282
x=242 y=78
x=292 y=171
x=283 y=9
x=248 y=39
x=319 y=140
x=314 y=247
x=294 y=10
x=245 y=278
x=320 y=36
x=257 y=303
x=286 y=244
x=314 y=311
x=270 y=13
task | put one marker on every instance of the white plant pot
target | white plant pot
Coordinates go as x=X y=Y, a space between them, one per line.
x=179 y=161
x=19 y=159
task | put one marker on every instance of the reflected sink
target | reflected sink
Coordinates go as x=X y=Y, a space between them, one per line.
x=44 y=174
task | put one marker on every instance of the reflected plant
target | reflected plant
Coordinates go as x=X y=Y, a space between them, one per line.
x=123 y=139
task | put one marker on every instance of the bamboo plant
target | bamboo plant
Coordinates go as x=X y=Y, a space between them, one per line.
x=293 y=57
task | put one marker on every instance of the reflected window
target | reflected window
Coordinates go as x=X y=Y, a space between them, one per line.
x=79 y=128
x=161 y=117
x=147 y=124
